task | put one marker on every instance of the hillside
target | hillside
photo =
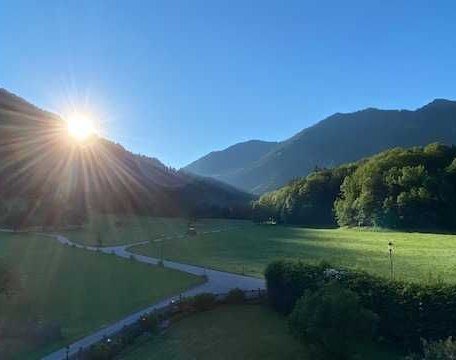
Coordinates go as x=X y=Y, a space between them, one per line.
x=338 y=139
x=227 y=163
x=47 y=177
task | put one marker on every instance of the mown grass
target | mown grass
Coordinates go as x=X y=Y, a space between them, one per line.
x=118 y=230
x=231 y=332
x=417 y=256
x=78 y=289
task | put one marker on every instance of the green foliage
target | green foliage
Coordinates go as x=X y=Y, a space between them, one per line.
x=235 y=296
x=286 y=281
x=149 y=323
x=308 y=201
x=437 y=350
x=204 y=301
x=333 y=319
x=407 y=312
x=398 y=188
x=401 y=188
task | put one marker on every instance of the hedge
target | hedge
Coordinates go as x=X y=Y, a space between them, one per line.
x=408 y=312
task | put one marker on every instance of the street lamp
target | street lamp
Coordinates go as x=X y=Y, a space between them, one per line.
x=390 y=250
x=160 y=251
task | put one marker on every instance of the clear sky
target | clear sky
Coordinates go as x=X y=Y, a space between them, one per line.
x=177 y=79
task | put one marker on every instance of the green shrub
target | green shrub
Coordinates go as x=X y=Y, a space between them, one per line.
x=204 y=301
x=149 y=323
x=333 y=319
x=287 y=281
x=407 y=312
x=437 y=350
x=235 y=296
x=100 y=351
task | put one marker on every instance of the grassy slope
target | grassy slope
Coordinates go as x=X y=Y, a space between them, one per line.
x=117 y=230
x=417 y=256
x=82 y=290
x=232 y=332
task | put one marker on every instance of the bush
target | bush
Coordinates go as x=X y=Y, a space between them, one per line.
x=235 y=296
x=287 y=281
x=333 y=319
x=100 y=351
x=407 y=312
x=149 y=323
x=204 y=301
x=438 y=350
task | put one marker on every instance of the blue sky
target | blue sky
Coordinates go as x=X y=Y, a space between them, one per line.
x=177 y=79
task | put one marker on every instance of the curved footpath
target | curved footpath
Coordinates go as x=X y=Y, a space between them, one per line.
x=217 y=282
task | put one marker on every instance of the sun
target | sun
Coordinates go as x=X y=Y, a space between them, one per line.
x=80 y=127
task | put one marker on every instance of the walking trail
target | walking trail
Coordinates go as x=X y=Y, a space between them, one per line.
x=217 y=282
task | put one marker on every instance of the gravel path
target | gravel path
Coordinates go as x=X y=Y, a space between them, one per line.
x=217 y=282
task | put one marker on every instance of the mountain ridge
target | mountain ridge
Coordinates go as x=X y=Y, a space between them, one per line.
x=340 y=138
x=42 y=170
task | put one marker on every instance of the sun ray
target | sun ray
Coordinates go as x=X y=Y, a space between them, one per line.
x=80 y=127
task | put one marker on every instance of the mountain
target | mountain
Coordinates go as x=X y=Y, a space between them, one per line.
x=226 y=164
x=338 y=139
x=45 y=176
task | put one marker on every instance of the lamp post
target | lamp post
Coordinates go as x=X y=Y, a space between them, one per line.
x=390 y=250
x=160 y=250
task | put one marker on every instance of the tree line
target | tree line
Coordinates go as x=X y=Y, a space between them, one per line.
x=412 y=188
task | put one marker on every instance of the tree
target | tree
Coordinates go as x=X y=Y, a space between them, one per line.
x=401 y=188
x=308 y=201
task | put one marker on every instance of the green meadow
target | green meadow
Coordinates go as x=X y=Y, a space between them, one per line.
x=118 y=230
x=417 y=256
x=80 y=290
x=231 y=332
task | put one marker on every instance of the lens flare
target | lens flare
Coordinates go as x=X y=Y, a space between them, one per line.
x=80 y=127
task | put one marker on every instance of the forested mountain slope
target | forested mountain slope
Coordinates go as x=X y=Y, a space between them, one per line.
x=47 y=177
x=343 y=138
x=413 y=188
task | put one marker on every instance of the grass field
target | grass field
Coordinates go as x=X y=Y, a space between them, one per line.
x=80 y=290
x=230 y=332
x=118 y=230
x=417 y=256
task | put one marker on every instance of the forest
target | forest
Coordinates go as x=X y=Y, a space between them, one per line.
x=412 y=188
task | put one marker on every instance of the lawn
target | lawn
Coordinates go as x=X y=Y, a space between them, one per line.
x=417 y=256
x=118 y=230
x=230 y=332
x=79 y=290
